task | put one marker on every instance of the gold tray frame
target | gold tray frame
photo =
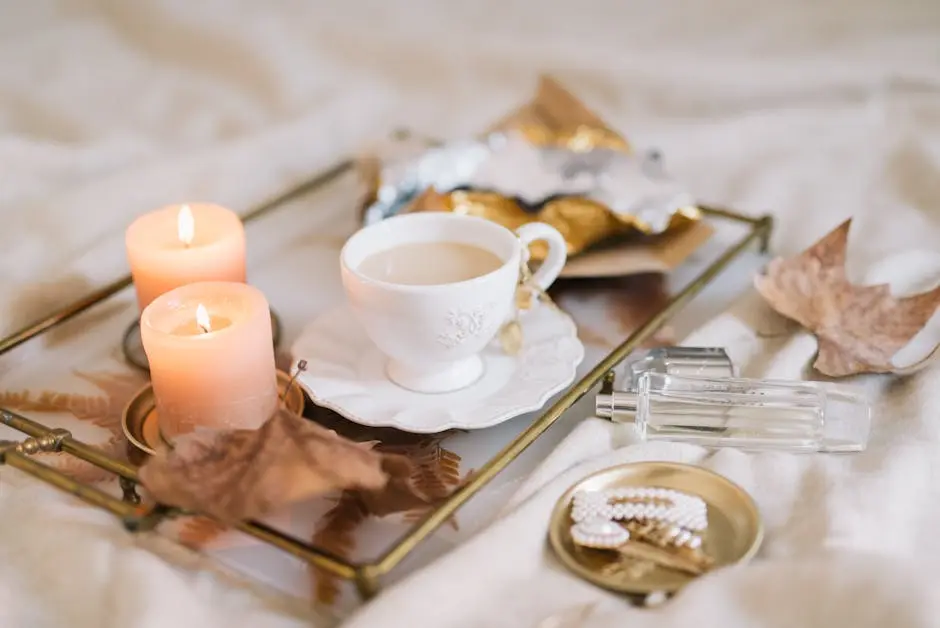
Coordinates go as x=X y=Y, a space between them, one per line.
x=365 y=575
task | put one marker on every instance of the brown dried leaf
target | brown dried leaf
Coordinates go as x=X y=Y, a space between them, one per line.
x=436 y=476
x=80 y=406
x=83 y=471
x=437 y=470
x=337 y=534
x=337 y=530
x=103 y=411
x=244 y=474
x=119 y=389
x=859 y=328
x=421 y=473
x=399 y=494
x=197 y=532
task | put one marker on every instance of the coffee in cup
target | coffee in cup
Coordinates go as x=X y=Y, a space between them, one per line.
x=432 y=289
x=430 y=263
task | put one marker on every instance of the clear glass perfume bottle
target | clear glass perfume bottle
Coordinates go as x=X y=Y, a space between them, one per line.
x=745 y=413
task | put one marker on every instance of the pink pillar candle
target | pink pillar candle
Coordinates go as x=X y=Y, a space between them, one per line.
x=211 y=355
x=183 y=244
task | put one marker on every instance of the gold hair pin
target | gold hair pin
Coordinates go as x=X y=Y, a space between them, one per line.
x=527 y=294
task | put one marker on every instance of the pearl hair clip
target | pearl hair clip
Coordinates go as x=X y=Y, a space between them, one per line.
x=599 y=533
x=663 y=516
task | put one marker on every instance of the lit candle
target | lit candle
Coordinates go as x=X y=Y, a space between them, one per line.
x=211 y=357
x=183 y=244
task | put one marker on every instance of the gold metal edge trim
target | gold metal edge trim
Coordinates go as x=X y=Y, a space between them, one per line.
x=138 y=519
x=560 y=518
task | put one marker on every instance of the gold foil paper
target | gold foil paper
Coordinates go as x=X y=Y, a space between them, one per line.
x=555 y=119
x=582 y=222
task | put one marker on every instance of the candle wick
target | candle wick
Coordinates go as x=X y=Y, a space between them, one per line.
x=204 y=329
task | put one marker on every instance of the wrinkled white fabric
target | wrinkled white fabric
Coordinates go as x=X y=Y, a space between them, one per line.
x=843 y=532
x=811 y=110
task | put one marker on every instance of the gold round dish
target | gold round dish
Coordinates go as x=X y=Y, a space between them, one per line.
x=142 y=430
x=733 y=535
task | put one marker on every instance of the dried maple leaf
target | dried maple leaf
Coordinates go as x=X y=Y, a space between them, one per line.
x=243 y=474
x=858 y=328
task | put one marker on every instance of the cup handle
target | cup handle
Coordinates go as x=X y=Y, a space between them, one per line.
x=557 y=251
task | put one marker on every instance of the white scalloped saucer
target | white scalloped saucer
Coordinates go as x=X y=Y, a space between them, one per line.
x=346 y=373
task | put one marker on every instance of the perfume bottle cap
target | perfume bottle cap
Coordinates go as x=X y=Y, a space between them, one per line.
x=694 y=361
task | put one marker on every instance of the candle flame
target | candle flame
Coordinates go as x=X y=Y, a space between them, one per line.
x=202 y=319
x=185 y=225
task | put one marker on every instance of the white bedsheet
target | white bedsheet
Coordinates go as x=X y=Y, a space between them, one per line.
x=811 y=110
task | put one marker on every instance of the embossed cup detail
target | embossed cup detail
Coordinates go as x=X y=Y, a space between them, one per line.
x=432 y=335
x=463 y=325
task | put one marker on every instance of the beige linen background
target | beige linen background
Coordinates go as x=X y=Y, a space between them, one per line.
x=811 y=110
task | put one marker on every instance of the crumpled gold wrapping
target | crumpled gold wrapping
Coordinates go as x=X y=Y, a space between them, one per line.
x=582 y=222
x=554 y=118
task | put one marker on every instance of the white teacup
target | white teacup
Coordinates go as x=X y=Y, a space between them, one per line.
x=433 y=334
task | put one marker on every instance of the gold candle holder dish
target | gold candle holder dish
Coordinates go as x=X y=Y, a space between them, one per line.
x=141 y=426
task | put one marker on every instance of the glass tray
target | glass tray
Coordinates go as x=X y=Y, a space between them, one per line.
x=68 y=371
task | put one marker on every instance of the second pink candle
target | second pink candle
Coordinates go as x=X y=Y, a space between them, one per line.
x=182 y=244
